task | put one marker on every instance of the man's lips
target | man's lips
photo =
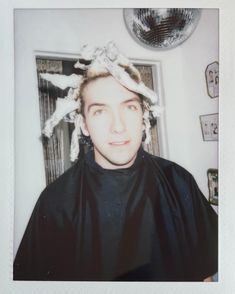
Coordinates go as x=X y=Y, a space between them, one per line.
x=119 y=143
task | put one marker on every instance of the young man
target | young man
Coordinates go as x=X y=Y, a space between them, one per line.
x=119 y=213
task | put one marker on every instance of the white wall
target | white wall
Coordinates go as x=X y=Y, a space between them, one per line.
x=65 y=31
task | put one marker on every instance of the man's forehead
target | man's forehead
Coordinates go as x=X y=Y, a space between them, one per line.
x=107 y=90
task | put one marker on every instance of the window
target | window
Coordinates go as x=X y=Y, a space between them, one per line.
x=56 y=149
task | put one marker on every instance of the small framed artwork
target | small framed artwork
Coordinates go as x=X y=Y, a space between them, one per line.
x=212 y=79
x=209 y=126
x=212 y=175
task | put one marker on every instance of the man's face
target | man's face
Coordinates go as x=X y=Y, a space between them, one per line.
x=114 y=121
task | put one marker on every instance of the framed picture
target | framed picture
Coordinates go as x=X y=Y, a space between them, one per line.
x=212 y=79
x=212 y=175
x=209 y=126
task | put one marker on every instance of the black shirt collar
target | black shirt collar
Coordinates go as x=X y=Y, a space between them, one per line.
x=89 y=159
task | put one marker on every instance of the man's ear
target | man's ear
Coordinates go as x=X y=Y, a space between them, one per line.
x=84 y=127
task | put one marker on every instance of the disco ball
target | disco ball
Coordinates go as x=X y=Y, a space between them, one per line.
x=161 y=28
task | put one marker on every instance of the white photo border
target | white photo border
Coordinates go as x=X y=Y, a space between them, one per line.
x=226 y=157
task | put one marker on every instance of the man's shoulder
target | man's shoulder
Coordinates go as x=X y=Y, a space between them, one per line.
x=179 y=182
x=168 y=167
x=64 y=188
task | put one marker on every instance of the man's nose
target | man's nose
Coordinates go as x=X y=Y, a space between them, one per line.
x=118 y=124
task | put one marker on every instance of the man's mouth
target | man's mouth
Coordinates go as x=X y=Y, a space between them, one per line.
x=119 y=143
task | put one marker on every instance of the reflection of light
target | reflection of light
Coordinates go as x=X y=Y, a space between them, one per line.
x=164 y=12
x=144 y=27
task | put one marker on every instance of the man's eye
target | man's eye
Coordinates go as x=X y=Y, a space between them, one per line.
x=98 y=112
x=132 y=107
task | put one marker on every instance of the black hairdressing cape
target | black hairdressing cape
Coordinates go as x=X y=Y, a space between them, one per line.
x=149 y=222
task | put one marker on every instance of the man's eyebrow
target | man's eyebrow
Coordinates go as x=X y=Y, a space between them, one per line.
x=134 y=99
x=94 y=104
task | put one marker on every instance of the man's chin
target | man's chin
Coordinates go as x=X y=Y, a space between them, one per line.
x=121 y=164
x=116 y=161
